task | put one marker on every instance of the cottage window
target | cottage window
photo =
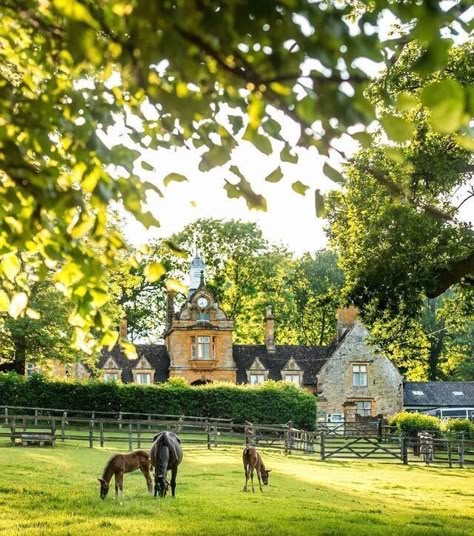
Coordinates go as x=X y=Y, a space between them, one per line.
x=364 y=408
x=359 y=375
x=143 y=378
x=110 y=377
x=256 y=379
x=292 y=378
x=31 y=369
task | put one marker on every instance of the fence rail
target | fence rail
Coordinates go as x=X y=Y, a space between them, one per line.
x=103 y=429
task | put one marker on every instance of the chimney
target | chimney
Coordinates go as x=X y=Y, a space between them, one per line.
x=169 y=309
x=123 y=328
x=269 y=330
x=346 y=318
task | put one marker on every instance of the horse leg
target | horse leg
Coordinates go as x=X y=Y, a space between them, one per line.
x=120 y=484
x=246 y=470
x=174 y=472
x=259 y=480
x=251 y=477
x=116 y=485
x=145 y=469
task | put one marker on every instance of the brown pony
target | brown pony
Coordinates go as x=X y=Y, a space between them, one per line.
x=252 y=460
x=120 y=464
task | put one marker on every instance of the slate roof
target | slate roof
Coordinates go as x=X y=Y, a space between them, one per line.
x=155 y=354
x=309 y=358
x=438 y=394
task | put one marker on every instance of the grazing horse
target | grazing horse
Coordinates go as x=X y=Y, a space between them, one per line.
x=120 y=464
x=252 y=460
x=166 y=454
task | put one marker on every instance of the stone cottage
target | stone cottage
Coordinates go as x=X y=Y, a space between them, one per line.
x=348 y=377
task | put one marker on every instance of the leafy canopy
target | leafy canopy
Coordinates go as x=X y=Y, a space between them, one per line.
x=178 y=73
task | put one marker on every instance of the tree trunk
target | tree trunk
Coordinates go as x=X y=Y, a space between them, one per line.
x=20 y=354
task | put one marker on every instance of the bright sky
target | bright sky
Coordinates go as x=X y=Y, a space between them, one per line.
x=290 y=218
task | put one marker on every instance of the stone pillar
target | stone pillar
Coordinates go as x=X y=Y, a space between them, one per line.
x=269 y=330
x=123 y=329
x=346 y=318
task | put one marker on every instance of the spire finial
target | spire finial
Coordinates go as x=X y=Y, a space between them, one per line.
x=201 y=281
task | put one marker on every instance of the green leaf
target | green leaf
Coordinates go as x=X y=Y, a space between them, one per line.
x=18 y=304
x=4 y=301
x=154 y=271
x=146 y=166
x=243 y=189
x=147 y=219
x=406 y=102
x=76 y=11
x=280 y=89
x=262 y=143
x=466 y=142
x=174 y=177
x=275 y=176
x=319 y=204
x=299 y=187
x=215 y=156
x=333 y=174
x=255 y=112
x=10 y=266
x=287 y=156
x=175 y=249
x=176 y=286
x=109 y=339
x=31 y=313
x=446 y=100
x=364 y=138
x=397 y=128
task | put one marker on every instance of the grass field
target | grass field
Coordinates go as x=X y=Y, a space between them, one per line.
x=54 y=491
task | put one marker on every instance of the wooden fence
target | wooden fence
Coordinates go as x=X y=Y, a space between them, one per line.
x=102 y=429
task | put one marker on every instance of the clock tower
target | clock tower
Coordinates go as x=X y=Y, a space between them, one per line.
x=199 y=336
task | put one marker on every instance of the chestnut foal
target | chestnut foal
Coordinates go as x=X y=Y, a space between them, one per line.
x=252 y=460
x=120 y=464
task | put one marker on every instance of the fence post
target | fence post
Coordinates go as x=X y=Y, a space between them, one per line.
x=461 y=450
x=6 y=415
x=215 y=435
x=149 y=425
x=53 y=427
x=322 y=446
x=36 y=416
x=450 y=459
x=130 y=441
x=139 y=435
x=120 y=420
x=63 y=426
x=101 y=432
x=91 y=433
x=13 y=428
x=404 y=450
x=208 y=434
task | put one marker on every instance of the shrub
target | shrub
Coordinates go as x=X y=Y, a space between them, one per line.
x=412 y=423
x=455 y=427
x=271 y=403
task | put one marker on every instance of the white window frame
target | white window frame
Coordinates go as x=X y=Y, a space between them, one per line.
x=141 y=375
x=292 y=377
x=204 y=347
x=365 y=410
x=360 y=375
x=31 y=369
x=256 y=378
x=111 y=377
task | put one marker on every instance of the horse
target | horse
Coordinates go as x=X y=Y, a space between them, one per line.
x=120 y=464
x=166 y=454
x=253 y=461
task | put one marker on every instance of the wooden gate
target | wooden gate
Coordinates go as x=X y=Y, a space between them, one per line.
x=359 y=447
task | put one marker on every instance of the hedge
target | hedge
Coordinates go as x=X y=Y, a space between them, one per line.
x=412 y=423
x=269 y=403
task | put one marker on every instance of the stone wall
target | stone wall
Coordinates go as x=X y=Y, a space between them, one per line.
x=335 y=389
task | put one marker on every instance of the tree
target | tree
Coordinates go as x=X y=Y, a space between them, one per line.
x=396 y=226
x=194 y=74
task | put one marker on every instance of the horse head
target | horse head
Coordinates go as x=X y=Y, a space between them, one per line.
x=104 y=488
x=265 y=474
x=161 y=486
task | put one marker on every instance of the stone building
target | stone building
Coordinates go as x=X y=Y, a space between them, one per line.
x=356 y=379
x=348 y=377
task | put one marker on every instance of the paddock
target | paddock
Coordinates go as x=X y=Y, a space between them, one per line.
x=54 y=491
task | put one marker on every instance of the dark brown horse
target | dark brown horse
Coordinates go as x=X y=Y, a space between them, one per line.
x=166 y=454
x=120 y=464
x=253 y=461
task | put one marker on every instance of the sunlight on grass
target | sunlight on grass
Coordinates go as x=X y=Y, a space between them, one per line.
x=305 y=496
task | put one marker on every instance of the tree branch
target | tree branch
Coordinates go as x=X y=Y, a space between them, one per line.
x=446 y=277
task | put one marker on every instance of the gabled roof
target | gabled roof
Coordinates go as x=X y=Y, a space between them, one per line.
x=309 y=358
x=438 y=394
x=155 y=354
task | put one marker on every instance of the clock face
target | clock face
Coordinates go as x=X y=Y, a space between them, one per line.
x=202 y=302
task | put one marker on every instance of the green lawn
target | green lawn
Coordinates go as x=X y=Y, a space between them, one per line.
x=54 y=491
